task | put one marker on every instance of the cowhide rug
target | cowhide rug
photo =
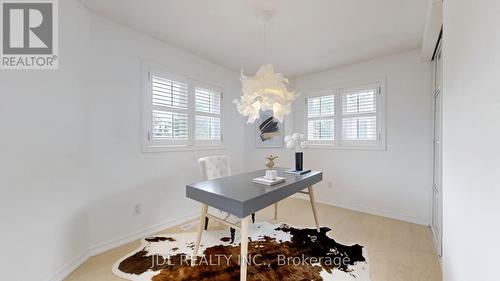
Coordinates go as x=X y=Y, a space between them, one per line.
x=276 y=252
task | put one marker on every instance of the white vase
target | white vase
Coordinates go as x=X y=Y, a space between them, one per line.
x=271 y=174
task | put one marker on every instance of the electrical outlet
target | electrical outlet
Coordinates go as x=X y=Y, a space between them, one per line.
x=330 y=184
x=137 y=209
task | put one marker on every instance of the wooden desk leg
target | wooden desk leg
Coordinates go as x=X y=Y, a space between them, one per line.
x=275 y=211
x=313 y=205
x=245 y=232
x=201 y=226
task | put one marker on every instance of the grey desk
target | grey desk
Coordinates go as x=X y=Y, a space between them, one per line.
x=239 y=196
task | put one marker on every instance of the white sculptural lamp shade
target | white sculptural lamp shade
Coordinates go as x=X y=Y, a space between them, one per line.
x=265 y=91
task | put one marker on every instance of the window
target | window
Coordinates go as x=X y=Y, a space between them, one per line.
x=181 y=112
x=348 y=117
x=359 y=114
x=321 y=118
x=169 y=110
x=208 y=121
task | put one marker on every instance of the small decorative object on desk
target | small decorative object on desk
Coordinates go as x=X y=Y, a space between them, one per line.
x=270 y=173
x=297 y=142
x=271 y=177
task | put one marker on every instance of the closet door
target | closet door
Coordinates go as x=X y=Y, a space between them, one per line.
x=437 y=201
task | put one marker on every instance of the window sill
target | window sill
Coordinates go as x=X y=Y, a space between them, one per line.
x=180 y=148
x=353 y=147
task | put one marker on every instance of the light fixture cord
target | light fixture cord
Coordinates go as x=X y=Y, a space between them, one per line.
x=265 y=42
x=265 y=19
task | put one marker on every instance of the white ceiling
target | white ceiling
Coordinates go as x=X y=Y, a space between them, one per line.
x=303 y=35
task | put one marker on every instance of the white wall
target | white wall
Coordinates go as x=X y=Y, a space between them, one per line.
x=122 y=175
x=72 y=166
x=43 y=158
x=396 y=182
x=471 y=133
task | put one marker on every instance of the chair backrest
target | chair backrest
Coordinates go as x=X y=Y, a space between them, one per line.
x=213 y=167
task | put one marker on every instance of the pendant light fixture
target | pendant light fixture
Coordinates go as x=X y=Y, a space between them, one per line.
x=266 y=90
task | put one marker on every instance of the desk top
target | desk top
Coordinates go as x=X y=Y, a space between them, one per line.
x=241 y=197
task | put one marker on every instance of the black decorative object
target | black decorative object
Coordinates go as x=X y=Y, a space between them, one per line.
x=299 y=161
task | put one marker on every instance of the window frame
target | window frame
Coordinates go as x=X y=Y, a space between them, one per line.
x=339 y=142
x=150 y=145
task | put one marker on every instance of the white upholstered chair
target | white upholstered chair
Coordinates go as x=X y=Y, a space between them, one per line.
x=213 y=167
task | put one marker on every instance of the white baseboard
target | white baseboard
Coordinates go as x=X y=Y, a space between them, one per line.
x=70 y=266
x=117 y=242
x=377 y=212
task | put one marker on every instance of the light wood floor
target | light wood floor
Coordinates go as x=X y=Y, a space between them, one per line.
x=397 y=251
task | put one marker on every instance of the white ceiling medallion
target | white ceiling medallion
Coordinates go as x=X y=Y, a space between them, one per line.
x=266 y=90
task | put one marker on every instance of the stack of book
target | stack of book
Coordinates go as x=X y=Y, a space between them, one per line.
x=266 y=181
x=295 y=172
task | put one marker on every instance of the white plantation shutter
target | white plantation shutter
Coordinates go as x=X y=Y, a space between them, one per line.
x=321 y=118
x=170 y=125
x=349 y=117
x=359 y=114
x=360 y=128
x=180 y=112
x=169 y=93
x=169 y=100
x=207 y=101
x=208 y=114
